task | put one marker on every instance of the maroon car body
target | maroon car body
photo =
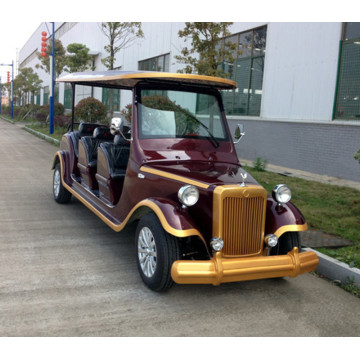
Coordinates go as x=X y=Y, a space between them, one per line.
x=137 y=176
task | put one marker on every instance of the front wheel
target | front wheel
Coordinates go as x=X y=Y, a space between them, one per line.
x=156 y=251
x=286 y=243
x=61 y=195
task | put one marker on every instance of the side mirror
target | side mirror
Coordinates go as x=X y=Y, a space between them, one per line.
x=116 y=126
x=239 y=133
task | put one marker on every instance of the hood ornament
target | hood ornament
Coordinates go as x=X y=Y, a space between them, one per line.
x=244 y=176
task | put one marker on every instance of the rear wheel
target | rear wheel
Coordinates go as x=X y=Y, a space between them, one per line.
x=61 y=195
x=156 y=251
x=286 y=243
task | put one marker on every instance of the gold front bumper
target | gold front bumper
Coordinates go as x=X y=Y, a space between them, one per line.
x=219 y=269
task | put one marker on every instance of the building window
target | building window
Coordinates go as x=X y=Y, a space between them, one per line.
x=158 y=63
x=56 y=93
x=247 y=70
x=347 y=100
x=67 y=96
x=46 y=95
x=106 y=98
x=38 y=98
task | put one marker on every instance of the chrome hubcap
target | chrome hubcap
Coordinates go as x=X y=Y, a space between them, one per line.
x=147 y=252
x=57 y=183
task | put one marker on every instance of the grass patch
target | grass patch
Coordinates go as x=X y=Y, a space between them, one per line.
x=44 y=129
x=332 y=209
x=351 y=287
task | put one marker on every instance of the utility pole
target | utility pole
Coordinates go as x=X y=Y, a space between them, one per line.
x=12 y=87
x=52 y=83
x=52 y=74
x=0 y=95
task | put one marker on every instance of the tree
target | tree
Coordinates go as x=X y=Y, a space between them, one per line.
x=60 y=58
x=209 y=50
x=78 y=58
x=120 y=36
x=26 y=82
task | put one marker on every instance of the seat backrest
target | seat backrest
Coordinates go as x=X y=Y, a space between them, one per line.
x=103 y=133
x=91 y=143
x=117 y=154
x=85 y=129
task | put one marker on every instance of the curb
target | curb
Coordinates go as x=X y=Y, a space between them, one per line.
x=9 y=121
x=42 y=136
x=336 y=270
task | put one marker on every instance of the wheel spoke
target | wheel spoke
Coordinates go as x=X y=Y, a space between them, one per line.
x=56 y=183
x=147 y=252
x=142 y=259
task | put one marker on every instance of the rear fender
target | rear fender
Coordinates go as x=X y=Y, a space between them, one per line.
x=284 y=218
x=63 y=158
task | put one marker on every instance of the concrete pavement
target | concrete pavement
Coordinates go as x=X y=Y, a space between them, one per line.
x=63 y=272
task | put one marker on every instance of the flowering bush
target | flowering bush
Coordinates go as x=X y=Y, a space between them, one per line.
x=91 y=110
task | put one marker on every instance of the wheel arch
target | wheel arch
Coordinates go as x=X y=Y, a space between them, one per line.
x=284 y=218
x=56 y=160
x=62 y=157
x=172 y=219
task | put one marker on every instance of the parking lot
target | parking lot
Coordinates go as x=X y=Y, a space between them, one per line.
x=63 y=272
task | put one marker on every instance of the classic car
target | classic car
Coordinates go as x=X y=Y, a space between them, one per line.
x=201 y=218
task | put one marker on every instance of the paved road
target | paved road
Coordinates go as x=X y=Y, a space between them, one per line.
x=65 y=273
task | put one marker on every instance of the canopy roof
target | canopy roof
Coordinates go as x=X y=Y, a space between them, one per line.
x=128 y=79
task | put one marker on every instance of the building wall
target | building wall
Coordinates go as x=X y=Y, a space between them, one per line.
x=319 y=148
x=300 y=71
x=295 y=127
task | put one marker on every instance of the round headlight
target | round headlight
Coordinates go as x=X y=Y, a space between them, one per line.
x=188 y=195
x=281 y=194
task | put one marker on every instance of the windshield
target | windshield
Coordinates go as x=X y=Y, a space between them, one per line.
x=180 y=114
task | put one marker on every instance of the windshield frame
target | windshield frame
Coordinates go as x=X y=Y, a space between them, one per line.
x=181 y=88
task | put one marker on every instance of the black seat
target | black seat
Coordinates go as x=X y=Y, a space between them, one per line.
x=88 y=147
x=117 y=155
x=110 y=176
x=85 y=129
x=91 y=143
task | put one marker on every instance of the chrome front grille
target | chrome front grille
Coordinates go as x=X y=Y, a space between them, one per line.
x=241 y=219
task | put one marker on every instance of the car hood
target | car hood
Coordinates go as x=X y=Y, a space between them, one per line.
x=211 y=173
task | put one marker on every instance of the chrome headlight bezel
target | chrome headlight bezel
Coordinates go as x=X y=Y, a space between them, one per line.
x=188 y=195
x=281 y=194
x=271 y=240
x=217 y=244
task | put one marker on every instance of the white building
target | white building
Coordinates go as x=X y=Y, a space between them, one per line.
x=298 y=86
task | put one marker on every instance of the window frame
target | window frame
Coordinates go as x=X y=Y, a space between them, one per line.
x=146 y=64
x=343 y=42
x=252 y=57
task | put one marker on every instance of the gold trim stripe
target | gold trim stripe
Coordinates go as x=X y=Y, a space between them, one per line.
x=286 y=228
x=154 y=75
x=174 y=177
x=146 y=202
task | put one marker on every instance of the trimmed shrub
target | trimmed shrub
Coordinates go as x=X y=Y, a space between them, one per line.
x=62 y=120
x=91 y=110
x=28 y=110
x=5 y=109
x=59 y=109
x=42 y=113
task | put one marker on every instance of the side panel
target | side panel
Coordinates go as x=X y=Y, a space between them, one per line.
x=281 y=219
x=173 y=219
